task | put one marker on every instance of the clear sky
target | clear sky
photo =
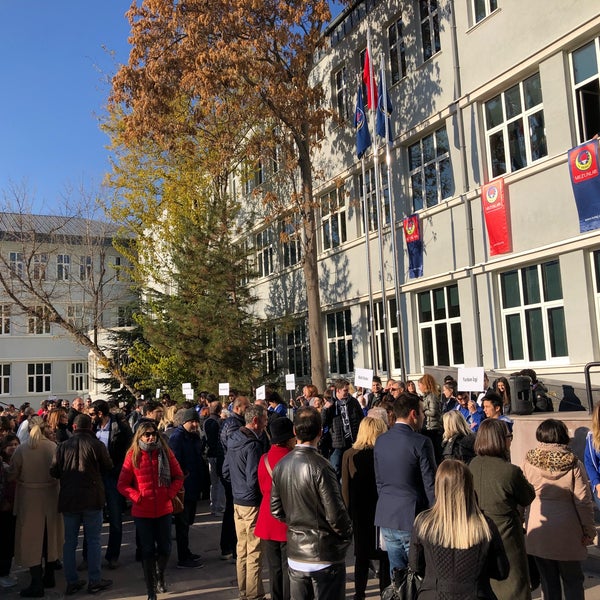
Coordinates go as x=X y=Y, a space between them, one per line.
x=56 y=58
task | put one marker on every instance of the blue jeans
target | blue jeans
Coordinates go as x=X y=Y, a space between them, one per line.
x=155 y=535
x=397 y=543
x=92 y=527
x=336 y=460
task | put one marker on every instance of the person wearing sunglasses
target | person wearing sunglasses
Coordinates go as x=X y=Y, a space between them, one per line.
x=151 y=478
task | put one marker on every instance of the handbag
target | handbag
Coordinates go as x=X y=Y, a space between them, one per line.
x=405 y=585
x=178 y=501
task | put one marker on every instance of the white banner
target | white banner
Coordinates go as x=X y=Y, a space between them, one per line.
x=363 y=378
x=223 y=389
x=470 y=379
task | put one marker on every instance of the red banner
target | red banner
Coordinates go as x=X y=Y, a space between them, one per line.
x=496 y=213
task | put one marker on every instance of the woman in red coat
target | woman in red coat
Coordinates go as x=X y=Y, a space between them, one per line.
x=151 y=478
x=268 y=528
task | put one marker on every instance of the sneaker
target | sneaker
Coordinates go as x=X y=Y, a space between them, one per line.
x=226 y=556
x=8 y=581
x=194 y=556
x=98 y=586
x=112 y=563
x=189 y=563
x=82 y=566
x=73 y=588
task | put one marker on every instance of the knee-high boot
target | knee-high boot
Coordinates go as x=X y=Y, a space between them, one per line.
x=149 y=566
x=161 y=565
x=36 y=587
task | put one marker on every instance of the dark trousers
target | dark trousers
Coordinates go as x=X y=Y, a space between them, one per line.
x=155 y=536
x=555 y=572
x=279 y=577
x=7 y=526
x=114 y=510
x=183 y=521
x=326 y=584
x=228 y=535
x=362 y=561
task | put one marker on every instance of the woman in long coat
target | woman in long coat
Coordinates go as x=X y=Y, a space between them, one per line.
x=560 y=521
x=359 y=491
x=36 y=509
x=501 y=489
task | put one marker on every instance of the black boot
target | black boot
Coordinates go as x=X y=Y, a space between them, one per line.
x=49 y=579
x=149 y=566
x=161 y=564
x=36 y=587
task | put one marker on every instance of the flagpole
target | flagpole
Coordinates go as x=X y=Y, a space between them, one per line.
x=373 y=109
x=394 y=231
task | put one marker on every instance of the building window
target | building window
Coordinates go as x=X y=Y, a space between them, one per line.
x=397 y=51
x=333 y=218
x=440 y=330
x=586 y=81
x=394 y=336
x=265 y=252
x=431 y=175
x=268 y=353
x=430 y=28
x=63 y=267
x=40 y=262
x=339 y=342
x=4 y=379
x=515 y=130
x=482 y=8
x=291 y=242
x=16 y=264
x=78 y=377
x=372 y=196
x=341 y=94
x=380 y=337
x=533 y=313
x=298 y=351
x=85 y=268
x=39 y=378
x=75 y=315
x=39 y=323
x=4 y=319
x=124 y=316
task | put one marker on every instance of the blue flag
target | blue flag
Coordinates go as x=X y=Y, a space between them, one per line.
x=384 y=111
x=363 y=139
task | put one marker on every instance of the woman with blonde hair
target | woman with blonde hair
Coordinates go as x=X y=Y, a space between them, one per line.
x=432 y=407
x=39 y=529
x=458 y=439
x=591 y=455
x=58 y=422
x=454 y=547
x=359 y=491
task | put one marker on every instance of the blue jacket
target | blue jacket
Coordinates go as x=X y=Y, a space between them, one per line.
x=405 y=476
x=591 y=460
x=187 y=448
x=240 y=468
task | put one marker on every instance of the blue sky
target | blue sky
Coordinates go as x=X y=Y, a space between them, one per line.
x=54 y=67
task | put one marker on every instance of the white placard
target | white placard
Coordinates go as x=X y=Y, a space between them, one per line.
x=470 y=379
x=189 y=394
x=223 y=389
x=261 y=392
x=363 y=378
x=185 y=386
x=290 y=382
x=141 y=396
x=158 y=392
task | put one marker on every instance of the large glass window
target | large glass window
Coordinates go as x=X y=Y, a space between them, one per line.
x=268 y=353
x=39 y=265
x=586 y=87
x=291 y=243
x=341 y=94
x=4 y=319
x=85 y=268
x=4 y=379
x=265 y=252
x=78 y=377
x=397 y=51
x=298 y=351
x=430 y=27
x=339 y=342
x=17 y=266
x=482 y=8
x=533 y=313
x=39 y=378
x=515 y=128
x=39 y=323
x=430 y=170
x=63 y=267
x=380 y=364
x=372 y=197
x=333 y=218
x=440 y=328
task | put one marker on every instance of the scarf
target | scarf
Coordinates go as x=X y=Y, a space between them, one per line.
x=345 y=420
x=164 y=469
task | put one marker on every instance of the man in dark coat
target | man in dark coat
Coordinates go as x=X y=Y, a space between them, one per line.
x=405 y=476
x=80 y=463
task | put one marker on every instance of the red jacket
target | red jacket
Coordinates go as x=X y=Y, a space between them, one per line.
x=267 y=526
x=140 y=485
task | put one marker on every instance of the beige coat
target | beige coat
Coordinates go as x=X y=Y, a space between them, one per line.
x=563 y=510
x=36 y=504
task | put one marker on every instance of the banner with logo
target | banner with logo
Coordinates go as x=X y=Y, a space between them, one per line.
x=495 y=211
x=583 y=166
x=414 y=245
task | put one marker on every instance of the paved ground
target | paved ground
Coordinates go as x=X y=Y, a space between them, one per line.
x=215 y=581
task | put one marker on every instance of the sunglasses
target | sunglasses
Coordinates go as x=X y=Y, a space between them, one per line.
x=150 y=434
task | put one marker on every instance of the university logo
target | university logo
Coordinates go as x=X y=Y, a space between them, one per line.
x=491 y=194
x=360 y=118
x=583 y=162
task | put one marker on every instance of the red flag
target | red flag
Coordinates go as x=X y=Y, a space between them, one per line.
x=496 y=213
x=369 y=79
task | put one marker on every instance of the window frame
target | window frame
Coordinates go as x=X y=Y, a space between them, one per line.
x=384 y=189
x=5 y=379
x=298 y=349
x=333 y=220
x=44 y=378
x=340 y=93
x=37 y=325
x=5 y=319
x=488 y=6
x=63 y=267
x=265 y=251
x=430 y=29
x=582 y=134
x=338 y=341
x=17 y=264
x=85 y=268
x=396 y=51
x=269 y=356
x=76 y=375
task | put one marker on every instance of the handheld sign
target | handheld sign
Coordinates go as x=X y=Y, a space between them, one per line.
x=363 y=378
x=470 y=379
x=158 y=392
x=261 y=392
x=223 y=389
x=290 y=382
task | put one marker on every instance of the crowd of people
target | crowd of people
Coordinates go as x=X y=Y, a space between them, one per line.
x=415 y=473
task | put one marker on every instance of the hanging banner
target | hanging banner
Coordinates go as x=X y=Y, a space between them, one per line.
x=495 y=211
x=583 y=167
x=414 y=245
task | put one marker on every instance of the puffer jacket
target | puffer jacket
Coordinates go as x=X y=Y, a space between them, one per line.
x=306 y=495
x=140 y=485
x=432 y=406
x=332 y=419
x=241 y=467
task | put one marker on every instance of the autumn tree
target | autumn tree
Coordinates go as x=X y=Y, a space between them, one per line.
x=190 y=59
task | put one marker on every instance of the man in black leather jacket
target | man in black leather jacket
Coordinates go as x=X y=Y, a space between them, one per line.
x=306 y=496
